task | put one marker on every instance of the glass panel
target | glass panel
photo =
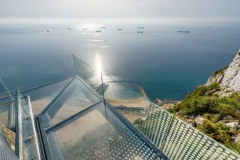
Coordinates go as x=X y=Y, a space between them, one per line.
x=2 y=88
x=36 y=73
x=7 y=107
x=41 y=97
x=8 y=95
x=86 y=72
x=7 y=114
x=74 y=98
x=96 y=134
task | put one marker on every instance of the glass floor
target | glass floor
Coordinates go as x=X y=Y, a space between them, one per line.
x=56 y=113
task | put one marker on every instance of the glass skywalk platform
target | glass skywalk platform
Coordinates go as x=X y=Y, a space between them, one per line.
x=56 y=113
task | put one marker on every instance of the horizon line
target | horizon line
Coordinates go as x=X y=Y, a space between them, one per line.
x=15 y=20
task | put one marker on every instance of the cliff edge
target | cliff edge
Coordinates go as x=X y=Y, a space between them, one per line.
x=214 y=108
x=228 y=77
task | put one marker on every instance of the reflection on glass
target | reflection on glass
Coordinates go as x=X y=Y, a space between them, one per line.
x=97 y=134
x=37 y=73
x=74 y=98
x=41 y=97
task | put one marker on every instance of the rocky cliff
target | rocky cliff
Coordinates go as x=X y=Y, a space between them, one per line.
x=228 y=77
x=214 y=108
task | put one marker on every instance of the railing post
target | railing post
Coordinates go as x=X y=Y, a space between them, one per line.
x=33 y=128
x=20 y=134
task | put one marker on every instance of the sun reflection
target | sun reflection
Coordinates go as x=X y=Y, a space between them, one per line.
x=98 y=64
x=88 y=26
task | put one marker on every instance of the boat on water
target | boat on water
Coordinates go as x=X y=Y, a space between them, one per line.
x=69 y=28
x=98 y=31
x=47 y=31
x=140 y=27
x=119 y=29
x=184 y=31
x=139 y=31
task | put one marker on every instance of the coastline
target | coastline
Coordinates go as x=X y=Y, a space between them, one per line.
x=132 y=109
x=134 y=103
x=167 y=104
x=142 y=103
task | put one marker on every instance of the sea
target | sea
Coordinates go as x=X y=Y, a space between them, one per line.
x=152 y=54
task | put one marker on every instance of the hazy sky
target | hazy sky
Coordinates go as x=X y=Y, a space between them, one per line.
x=120 y=9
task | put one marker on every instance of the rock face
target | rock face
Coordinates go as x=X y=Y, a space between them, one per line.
x=229 y=77
x=199 y=120
x=233 y=125
x=215 y=78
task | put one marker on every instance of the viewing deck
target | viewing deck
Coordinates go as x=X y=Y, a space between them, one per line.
x=56 y=113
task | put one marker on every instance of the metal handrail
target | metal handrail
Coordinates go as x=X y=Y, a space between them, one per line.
x=20 y=128
x=33 y=127
x=20 y=135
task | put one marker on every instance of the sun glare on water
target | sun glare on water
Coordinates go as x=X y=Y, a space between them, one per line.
x=88 y=26
x=98 y=64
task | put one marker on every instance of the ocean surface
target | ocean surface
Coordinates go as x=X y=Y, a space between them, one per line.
x=167 y=64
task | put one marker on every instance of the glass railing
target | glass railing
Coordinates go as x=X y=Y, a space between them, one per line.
x=8 y=95
x=8 y=103
x=75 y=118
x=44 y=71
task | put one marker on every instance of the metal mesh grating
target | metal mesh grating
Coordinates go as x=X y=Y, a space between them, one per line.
x=179 y=140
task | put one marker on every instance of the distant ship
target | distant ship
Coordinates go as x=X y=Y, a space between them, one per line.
x=47 y=31
x=140 y=27
x=184 y=31
x=119 y=29
x=69 y=28
x=139 y=31
x=98 y=31
x=84 y=29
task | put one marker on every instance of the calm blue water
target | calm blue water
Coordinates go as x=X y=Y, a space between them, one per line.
x=166 y=63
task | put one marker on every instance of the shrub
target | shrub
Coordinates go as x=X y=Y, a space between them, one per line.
x=211 y=117
x=218 y=131
x=204 y=100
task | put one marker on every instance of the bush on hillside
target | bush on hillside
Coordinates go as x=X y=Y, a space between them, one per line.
x=204 y=100
x=218 y=131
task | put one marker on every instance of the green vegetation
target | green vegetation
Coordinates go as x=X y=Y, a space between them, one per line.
x=220 y=71
x=205 y=102
x=218 y=131
x=234 y=146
